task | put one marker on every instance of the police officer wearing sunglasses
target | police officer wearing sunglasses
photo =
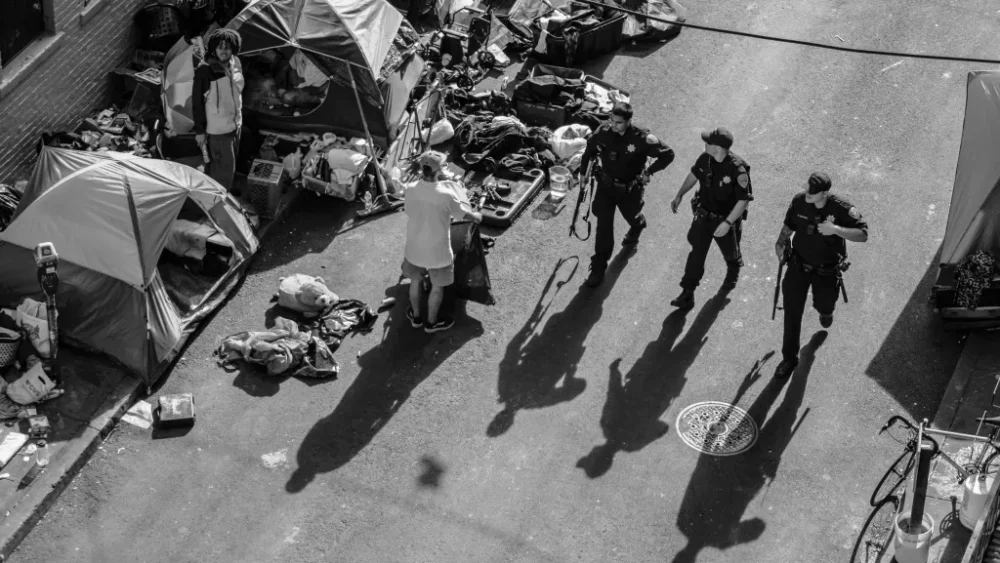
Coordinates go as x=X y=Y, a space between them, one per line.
x=622 y=174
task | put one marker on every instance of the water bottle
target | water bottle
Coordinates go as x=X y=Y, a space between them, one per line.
x=42 y=454
x=204 y=153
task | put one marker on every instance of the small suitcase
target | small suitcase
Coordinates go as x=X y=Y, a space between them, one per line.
x=176 y=410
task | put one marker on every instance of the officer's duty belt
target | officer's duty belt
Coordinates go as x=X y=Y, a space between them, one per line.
x=822 y=270
x=626 y=185
x=702 y=214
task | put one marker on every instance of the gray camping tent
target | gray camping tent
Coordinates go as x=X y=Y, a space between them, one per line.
x=111 y=216
x=349 y=41
x=974 y=215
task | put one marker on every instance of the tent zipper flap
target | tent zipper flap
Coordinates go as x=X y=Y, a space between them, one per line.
x=135 y=228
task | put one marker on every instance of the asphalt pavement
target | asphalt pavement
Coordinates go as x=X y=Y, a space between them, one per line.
x=544 y=428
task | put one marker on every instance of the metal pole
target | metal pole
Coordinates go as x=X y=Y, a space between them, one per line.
x=926 y=454
x=368 y=136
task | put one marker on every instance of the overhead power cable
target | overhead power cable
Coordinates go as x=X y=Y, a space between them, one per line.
x=793 y=41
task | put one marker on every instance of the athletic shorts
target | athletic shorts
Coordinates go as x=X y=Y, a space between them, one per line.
x=440 y=277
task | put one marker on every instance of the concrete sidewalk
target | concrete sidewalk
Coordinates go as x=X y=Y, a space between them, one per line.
x=968 y=397
x=96 y=396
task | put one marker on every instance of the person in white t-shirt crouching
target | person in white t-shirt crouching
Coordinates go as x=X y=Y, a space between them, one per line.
x=431 y=202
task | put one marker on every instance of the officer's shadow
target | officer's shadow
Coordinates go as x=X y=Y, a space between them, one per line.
x=389 y=373
x=635 y=403
x=539 y=368
x=722 y=488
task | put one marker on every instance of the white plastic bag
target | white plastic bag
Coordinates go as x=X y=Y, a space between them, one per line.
x=33 y=318
x=440 y=132
x=569 y=139
x=31 y=387
x=292 y=164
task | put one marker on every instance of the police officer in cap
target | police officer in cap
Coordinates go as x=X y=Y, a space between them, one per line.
x=821 y=223
x=719 y=206
x=622 y=175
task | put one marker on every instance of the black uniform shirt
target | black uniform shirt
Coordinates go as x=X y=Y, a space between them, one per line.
x=804 y=218
x=623 y=157
x=722 y=184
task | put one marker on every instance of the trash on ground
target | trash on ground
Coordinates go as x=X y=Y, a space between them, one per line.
x=141 y=415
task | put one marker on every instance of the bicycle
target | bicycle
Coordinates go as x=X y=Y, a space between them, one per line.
x=906 y=433
x=888 y=498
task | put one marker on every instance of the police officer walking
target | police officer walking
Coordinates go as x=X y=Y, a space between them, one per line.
x=622 y=175
x=821 y=223
x=719 y=208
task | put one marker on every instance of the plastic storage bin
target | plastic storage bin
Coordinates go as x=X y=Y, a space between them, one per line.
x=594 y=42
x=547 y=115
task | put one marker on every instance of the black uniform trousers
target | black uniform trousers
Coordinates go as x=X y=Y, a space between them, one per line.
x=794 y=288
x=607 y=198
x=701 y=235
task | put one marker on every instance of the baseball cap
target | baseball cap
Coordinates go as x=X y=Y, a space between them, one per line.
x=433 y=159
x=819 y=182
x=719 y=136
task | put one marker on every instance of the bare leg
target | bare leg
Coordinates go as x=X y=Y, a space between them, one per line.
x=434 y=303
x=416 y=295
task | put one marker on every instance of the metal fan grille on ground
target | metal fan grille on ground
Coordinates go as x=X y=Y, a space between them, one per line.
x=717 y=428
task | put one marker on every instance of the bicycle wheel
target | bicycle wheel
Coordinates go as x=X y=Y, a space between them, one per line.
x=893 y=478
x=876 y=535
x=992 y=463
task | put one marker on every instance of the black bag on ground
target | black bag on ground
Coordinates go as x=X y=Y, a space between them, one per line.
x=472 y=277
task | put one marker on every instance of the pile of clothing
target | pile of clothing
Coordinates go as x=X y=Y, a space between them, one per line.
x=973 y=275
x=638 y=29
x=107 y=130
x=301 y=349
x=334 y=166
x=24 y=347
x=281 y=85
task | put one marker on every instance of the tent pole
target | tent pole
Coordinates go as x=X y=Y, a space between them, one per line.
x=379 y=181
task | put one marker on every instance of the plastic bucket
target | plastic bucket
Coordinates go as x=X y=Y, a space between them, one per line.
x=912 y=546
x=559 y=177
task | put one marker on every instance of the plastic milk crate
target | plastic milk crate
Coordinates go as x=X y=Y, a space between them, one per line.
x=264 y=185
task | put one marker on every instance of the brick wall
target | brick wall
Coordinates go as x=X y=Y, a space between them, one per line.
x=70 y=85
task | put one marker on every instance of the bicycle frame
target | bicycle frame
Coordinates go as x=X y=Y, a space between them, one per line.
x=925 y=432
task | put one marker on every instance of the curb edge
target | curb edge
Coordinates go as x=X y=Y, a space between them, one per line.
x=50 y=485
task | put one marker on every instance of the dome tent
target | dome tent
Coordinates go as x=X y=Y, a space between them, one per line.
x=349 y=41
x=110 y=216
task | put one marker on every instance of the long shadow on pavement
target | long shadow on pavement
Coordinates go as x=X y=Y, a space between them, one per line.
x=631 y=416
x=721 y=488
x=317 y=221
x=535 y=364
x=389 y=373
x=917 y=358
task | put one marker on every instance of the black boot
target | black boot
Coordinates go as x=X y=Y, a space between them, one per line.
x=732 y=276
x=632 y=237
x=685 y=300
x=826 y=320
x=596 y=276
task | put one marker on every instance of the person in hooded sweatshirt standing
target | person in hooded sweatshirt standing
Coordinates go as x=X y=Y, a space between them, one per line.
x=217 y=101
